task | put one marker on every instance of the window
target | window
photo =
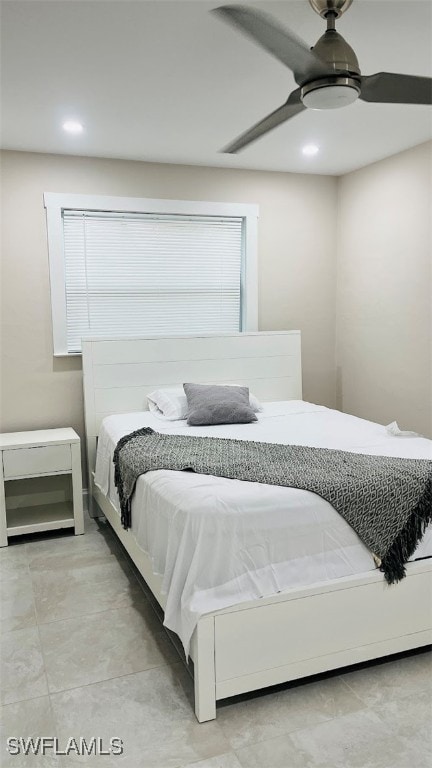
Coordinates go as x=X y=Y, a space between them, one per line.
x=127 y=267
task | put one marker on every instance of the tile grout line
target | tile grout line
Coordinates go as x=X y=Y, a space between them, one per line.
x=369 y=708
x=67 y=690
x=40 y=641
x=200 y=760
x=104 y=559
x=78 y=616
x=27 y=572
x=23 y=701
x=88 y=613
x=108 y=679
x=49 y=693
x=36 y=626
x=290 y=733
x=302 y=728
x=148 y=601
x=65 y=618
x=160 y=632
x=351 y=690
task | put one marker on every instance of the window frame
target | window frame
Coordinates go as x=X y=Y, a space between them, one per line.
x=56 y=202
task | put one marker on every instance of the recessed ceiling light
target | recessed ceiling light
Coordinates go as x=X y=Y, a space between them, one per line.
x=310 y=149
x=73 y=126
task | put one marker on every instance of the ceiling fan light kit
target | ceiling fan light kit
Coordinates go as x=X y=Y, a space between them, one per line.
x=330 y=94
x=328 y=75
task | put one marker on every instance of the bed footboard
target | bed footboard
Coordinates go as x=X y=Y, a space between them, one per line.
x=308 y=631
x=298 y=633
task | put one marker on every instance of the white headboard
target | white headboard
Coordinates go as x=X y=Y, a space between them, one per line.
x=120 y=373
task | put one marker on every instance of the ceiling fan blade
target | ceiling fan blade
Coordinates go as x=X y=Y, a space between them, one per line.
x=281 y=42
x=389 y=88
x=291 y=108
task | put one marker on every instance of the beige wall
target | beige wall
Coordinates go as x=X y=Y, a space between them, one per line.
x=296 y=268
x=384 y=290
x=378 y=219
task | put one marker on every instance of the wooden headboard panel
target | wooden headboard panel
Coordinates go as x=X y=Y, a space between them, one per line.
x=120 y=373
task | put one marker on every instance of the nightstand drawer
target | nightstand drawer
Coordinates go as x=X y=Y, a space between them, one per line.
x=21 y=462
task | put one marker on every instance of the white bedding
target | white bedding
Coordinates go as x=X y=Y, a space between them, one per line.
x=217 y=542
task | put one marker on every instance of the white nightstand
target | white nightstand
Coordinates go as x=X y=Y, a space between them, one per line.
x=30 y=503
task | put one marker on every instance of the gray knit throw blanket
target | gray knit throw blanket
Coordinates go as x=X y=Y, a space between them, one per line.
x=386 y=500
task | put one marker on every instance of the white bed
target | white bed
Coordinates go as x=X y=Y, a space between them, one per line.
x=248 y=571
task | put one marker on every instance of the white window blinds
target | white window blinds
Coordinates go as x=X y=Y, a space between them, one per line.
x=129 y=274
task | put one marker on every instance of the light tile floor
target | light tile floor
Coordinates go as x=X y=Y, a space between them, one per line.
x=84 y=653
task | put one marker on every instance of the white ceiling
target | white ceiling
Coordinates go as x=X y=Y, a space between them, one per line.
x=168 y=81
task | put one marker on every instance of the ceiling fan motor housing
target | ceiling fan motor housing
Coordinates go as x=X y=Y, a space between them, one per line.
x=336 y=90
x=335 y=51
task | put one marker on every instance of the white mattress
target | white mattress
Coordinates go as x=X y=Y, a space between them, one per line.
x=217 y=542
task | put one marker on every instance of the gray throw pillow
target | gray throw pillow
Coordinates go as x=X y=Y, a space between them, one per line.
x=214 y=404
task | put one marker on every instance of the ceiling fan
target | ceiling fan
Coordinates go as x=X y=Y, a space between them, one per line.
x=328 y=75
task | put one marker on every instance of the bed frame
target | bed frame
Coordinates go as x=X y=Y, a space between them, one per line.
x=293 y=634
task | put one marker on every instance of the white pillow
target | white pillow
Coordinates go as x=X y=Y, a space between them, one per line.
x=171 y=404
